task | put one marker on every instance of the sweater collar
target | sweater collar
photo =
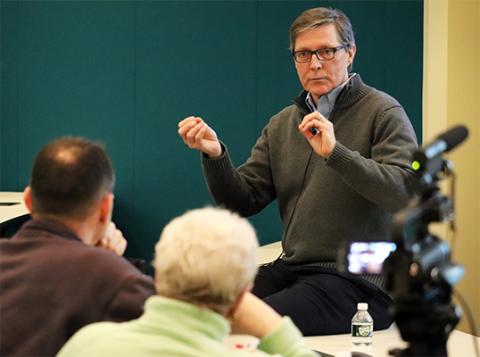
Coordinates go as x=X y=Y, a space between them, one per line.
x=351 y=93
x=160 y=311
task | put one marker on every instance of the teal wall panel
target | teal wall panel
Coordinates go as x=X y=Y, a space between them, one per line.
x=196 y=71
x=125 y=72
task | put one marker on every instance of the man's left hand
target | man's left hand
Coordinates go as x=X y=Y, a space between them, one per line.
x=324 y=140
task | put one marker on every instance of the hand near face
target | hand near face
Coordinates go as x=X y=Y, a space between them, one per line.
x=324 y=141
x=254 y=317
x=196 y=134
x=113 y=240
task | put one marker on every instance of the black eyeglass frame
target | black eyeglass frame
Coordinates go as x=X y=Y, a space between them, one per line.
x=317 y=53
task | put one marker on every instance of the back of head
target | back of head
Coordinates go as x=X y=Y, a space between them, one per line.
x=69 y=176
x=319 y=16
x=206 y=257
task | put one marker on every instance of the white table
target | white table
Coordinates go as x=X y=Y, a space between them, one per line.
x=13 y=212
x=11 y=206
x=460 y=344
x=269 y=252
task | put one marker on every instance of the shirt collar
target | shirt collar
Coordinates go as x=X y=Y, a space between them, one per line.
x=326 y=101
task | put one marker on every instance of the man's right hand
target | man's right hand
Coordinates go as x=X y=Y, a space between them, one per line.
x=196 y=134
x=113 y=240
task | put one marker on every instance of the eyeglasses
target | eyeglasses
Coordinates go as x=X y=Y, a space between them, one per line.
x=323 y=54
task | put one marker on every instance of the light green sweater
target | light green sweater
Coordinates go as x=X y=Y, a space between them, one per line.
x=173 y=328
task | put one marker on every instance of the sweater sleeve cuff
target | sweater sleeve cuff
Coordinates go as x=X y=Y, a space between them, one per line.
x=284 y=340
x=221 y=162
x=340 y=158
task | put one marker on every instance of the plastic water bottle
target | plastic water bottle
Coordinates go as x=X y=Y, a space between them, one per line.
x=362 y=326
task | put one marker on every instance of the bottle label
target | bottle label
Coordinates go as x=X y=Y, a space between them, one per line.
x=362 y=330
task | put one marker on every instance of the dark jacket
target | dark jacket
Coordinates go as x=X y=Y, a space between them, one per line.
x=52 y=284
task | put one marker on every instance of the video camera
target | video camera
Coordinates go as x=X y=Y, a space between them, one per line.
x=416 y=265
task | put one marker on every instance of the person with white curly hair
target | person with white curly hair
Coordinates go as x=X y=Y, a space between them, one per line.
x=205 y=263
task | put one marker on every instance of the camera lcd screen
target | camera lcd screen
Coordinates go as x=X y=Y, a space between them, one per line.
x=368 y=257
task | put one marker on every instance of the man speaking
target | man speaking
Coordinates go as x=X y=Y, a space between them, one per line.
x=337 y=162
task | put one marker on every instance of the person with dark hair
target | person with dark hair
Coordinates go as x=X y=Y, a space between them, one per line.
x=63 y=269
x=338 y=163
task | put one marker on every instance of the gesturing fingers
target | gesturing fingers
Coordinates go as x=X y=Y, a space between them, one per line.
x=319 y=132
x=196 y=134
x=188 y=120
x=186 y=124
x=313 y=123
x=192 y=135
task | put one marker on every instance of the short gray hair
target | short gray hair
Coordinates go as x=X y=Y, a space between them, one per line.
x=319 y=16
x=206 y=257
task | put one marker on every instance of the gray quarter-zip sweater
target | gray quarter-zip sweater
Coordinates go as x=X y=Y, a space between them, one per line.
x=324 y=202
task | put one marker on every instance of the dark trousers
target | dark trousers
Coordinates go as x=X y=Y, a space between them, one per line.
x=320 y=301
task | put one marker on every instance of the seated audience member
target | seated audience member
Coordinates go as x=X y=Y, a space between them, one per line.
x=63 y=269
x=205 y=264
